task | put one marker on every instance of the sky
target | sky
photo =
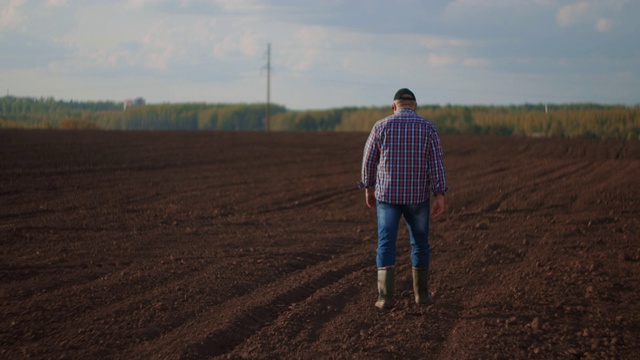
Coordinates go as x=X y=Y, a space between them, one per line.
x=324 y=53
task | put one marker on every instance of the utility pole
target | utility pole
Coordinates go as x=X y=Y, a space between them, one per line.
x=268 y=86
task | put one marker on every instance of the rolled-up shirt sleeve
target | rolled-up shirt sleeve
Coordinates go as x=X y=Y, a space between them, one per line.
x=370 y=161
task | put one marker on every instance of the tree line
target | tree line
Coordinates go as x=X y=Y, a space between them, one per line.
x=552 y=120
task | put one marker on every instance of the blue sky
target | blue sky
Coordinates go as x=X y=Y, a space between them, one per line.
x=324 y=54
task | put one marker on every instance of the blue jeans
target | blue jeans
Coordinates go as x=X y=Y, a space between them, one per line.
x=417 y=218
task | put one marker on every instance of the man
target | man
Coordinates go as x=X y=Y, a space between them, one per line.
x=402 y=165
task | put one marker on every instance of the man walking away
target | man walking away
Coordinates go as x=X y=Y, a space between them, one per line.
x=401 y=167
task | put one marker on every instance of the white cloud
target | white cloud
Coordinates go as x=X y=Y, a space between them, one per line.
x=493 y=13
x=595 y=13
x=239 y=5
x=310 y=39
x=603 y=25
x=11 y=15
x=159 y=47
x=55 y=3
x=571 y=14
x=203 y=31
x=160 y=58
x=439 y=42
x=139 y=4
x=476 y=62
x=245 y=43
x=440 y=60
x=248 y=44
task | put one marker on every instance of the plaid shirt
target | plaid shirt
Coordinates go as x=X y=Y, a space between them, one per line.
x=403 y=159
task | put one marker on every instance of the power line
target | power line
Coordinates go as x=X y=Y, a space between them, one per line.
x=268 y=86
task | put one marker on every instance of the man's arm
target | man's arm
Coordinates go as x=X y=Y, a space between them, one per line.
x=438 y=206
x=371 y=198
x=437 y=176
x=370 y=161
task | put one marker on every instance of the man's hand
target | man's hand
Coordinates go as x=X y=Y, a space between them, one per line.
x=438 y=206
x=371 y=198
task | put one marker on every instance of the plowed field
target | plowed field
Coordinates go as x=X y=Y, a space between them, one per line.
x=180 y=245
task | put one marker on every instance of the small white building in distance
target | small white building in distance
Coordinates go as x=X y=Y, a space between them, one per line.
x=139 y=101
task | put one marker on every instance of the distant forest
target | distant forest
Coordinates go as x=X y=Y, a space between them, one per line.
x=552 y=120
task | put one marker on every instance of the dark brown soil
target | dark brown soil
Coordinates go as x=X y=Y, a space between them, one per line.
x=171 y=245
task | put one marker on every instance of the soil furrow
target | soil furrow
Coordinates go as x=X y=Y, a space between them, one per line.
x=239 y=318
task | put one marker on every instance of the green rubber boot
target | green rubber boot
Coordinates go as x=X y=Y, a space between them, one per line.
x=421 y=286
x=386 y=279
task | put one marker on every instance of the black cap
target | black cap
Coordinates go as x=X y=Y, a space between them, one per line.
x=404 y=94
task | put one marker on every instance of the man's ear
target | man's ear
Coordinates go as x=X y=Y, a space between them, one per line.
x=393 y=107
